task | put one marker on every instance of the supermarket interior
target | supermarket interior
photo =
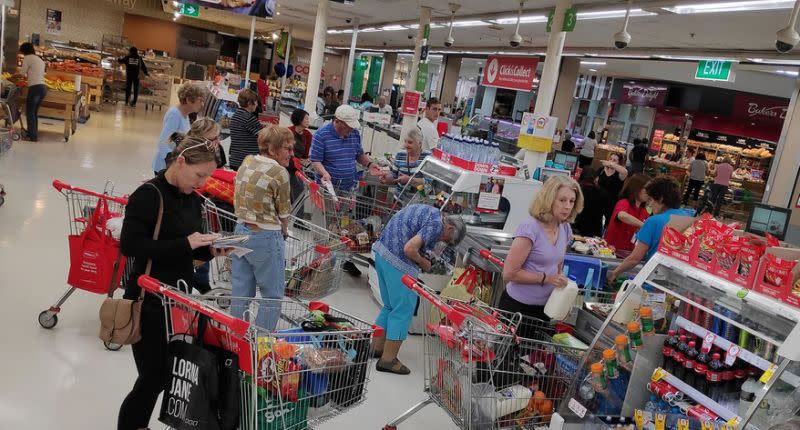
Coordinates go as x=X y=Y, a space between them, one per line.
x=398 y=214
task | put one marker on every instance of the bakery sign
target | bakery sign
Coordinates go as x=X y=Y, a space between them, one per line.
x=643 y=94
x=760 y=108
x=514 y=73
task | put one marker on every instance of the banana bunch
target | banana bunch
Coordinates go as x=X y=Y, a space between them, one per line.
x=58 y=84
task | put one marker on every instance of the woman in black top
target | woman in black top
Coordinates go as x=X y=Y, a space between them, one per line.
x=134 y=64
x=179 y=243
x=611 y=179
x=589 y=221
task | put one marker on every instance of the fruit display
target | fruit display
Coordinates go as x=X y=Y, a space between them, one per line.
x=670 y=136
x=72 y=66
x=59 y=84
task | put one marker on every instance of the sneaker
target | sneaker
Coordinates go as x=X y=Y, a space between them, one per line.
x=350 y=268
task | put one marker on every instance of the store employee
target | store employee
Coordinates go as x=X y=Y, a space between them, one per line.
x=665 y=199
x=427 y=125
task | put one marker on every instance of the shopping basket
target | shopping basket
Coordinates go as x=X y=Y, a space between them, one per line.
x=359 y=214
x=482 y=374
x=312 y=367
x=313 y=260
x=83 y=213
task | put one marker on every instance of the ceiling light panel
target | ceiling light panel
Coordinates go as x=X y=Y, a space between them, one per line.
x=607 y=14
x=469 y=23
x=730 y=6
x=527 y=19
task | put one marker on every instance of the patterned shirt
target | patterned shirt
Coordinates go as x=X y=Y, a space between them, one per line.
x=403 y=167
x=423 y=220
x=262 y=194
x=337 y=155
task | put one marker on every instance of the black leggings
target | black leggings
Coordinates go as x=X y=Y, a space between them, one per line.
x=150 y=355
x=531 y=329
x=131 y=87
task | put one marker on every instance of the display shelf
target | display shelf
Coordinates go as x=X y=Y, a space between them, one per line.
x=689 y=391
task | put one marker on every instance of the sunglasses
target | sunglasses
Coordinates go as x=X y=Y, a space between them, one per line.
x=210 y=145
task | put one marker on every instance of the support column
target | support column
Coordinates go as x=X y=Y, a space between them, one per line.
x=317 y=57
x=410 y=121
x=250 y=52
x=452 y=68
x=783 y=185
x=549 y=79
x=288 y=54
x=348 y=76
x=387 y=76
x=567 y=79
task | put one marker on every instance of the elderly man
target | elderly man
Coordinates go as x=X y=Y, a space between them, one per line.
x=427 y=124
x=383 y=107
x=403 y=248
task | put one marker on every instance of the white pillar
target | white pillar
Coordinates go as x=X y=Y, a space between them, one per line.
x=317 y=56
x=250 y=52
x=410 y=121
x=549 y=79
x=348 y=74
x=286 y=60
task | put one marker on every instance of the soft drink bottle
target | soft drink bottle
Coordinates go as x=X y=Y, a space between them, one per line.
x=728 y=383
x=670 y=343
x=678 y=357
x=689 y=362
x=701 y=369
x=716 y=389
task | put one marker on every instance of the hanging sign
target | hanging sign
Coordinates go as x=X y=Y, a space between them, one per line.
x=514 y=73
x=712 y=70
x=422 y=77
x=536 y=132
x=410 y=104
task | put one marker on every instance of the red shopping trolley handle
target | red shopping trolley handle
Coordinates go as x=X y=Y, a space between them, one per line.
x=60 y=186
x=236 y=325
x=457 y=318
x=485 y=253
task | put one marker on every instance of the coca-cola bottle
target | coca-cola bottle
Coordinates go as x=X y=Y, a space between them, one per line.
x=728 y=382
x=700 y=370
x=666 y=352
x=689 y=358
x=716 y=388
x=679 y=356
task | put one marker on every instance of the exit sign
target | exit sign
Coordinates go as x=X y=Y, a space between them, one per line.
x=190 y=10
x=714 y=70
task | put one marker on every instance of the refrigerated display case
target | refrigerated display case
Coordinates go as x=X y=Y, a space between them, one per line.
x=753 y=383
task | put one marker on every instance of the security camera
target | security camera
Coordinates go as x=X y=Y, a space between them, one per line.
x=622 y=39
x=348 y=20
x=516 y=40
x=786 y=39
x=410 y=36
x=449 y=41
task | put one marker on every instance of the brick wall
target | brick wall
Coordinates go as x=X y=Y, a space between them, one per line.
x=81 y=20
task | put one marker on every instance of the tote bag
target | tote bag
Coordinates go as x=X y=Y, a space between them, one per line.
x=94 y=254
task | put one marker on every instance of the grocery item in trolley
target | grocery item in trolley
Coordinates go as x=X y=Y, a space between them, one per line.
x=313 y=366
x=485 y=376
x=96 y=263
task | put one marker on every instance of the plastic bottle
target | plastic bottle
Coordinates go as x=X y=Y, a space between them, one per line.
x=729 y=383
x=689 y=361
x=646 y=317
x=610 y=360
x=599 y=381
x=652 y=405
x=701 y=369
x=623 y=349
x=679 y=357
x=635 y=334
x=512 y=399
x=668 y=350
x=747 y=395
x=716 y=389
x=561 y=301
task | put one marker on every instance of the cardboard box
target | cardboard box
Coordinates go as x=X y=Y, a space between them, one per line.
x=778 y=283
x=673 y=243
x=738 y=263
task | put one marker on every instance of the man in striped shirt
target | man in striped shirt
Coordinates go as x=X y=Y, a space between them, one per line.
x=336 y=148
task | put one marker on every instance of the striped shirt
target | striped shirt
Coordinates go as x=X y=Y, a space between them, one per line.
x=403 y=167
x=337 y=155
x=418 y=219
x=244 y=137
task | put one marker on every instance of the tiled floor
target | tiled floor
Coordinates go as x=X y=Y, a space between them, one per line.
x=63 y=378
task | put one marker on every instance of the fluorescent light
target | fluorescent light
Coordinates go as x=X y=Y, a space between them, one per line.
x=334 y=31
x=593 y=63
x=368 y=30
x=392 y=28
x=730 y=6
x=527 y=19
x=788 y=72
x=606 y=14
x=592 y=70
x=469 y=23
x=770 y=61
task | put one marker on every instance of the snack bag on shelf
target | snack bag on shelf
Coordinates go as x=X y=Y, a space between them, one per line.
x=714 y=235
x=778 y=274
x=748 y=259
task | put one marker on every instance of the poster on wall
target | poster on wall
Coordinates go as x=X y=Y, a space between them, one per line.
x=536 y=132
x=53 y=21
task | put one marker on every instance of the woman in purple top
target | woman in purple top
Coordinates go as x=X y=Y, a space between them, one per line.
x=534 y=262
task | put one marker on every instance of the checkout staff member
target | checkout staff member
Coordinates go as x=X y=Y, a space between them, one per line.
x=665 y=199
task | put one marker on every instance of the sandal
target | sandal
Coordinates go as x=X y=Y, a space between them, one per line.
x=402 y=370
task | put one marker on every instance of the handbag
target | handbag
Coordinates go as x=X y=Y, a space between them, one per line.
x=120 y=319
x=460 y=287
x=96 y=264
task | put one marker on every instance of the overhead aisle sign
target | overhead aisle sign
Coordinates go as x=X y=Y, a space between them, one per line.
x=714 y=70
x=513 y=73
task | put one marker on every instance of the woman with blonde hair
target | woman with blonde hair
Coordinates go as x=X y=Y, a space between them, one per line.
x=536 y=257
x=262 y=205
x=191 y=96
x=205 y=128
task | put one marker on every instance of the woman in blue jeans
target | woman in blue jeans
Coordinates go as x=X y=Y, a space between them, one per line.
x=262 y=204
x=33 y=69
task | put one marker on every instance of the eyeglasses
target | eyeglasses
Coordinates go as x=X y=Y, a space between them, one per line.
x=209 y=144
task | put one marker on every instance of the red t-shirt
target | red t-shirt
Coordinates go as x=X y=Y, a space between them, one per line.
x=619 y=234
x=263 y=91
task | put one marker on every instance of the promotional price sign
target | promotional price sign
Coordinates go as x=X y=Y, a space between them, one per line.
x=410 y=103
x=536 y=132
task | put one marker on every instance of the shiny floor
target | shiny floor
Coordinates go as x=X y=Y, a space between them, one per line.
x=64 y=378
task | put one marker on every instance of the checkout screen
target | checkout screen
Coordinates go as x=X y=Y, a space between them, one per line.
x=769 y=221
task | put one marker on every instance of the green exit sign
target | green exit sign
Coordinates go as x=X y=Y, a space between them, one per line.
x=190 y=10
x=714 y=70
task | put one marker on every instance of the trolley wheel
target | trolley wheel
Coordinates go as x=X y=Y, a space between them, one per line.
x=48 y=319
x=16 y=136
x=111 y=346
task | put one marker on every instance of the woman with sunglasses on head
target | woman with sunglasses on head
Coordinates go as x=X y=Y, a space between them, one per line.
x=171 y=254
x=262 y=204
x=191 y=97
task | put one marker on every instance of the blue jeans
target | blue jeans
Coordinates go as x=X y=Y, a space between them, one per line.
x=36 y=94
x=399 y=302
x=263 y=267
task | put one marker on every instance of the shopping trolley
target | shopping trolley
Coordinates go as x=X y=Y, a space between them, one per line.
x=81 y=205
x=10 y=110
x=313 y=261
x=6 y=137
x=312 y=367
x=481 y=373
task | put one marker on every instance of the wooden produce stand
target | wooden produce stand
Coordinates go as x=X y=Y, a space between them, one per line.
x=603 y=152
x=678 y=171
x=60 y=105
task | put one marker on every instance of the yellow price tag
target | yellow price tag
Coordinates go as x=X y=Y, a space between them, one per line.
x=732 y=423
x=661 y=421
x=638 y=417
x=768 y=374
x=683 y=424
x=658 y=374
x=706 y=425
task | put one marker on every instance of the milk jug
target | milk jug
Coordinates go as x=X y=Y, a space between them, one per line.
x=561 y=301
